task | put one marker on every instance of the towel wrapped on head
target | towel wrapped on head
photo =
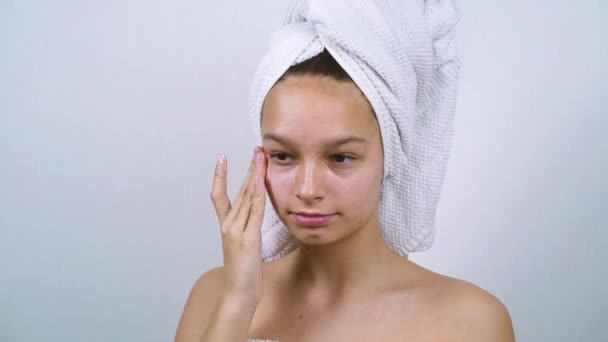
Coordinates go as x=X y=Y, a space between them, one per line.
x=402 y=56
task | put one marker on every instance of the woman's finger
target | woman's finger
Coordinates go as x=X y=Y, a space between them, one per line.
x=258 y=200
x=219 y=196
x=238 y=201
x=244 y=213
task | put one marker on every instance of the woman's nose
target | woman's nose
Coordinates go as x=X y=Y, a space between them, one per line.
x=308 y=184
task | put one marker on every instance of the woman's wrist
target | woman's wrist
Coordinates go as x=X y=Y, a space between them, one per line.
x=236 y=303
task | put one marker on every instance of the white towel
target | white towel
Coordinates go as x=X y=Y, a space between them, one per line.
x=402 y=55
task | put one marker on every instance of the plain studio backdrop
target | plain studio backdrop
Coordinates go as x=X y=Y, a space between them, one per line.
x=112 y=113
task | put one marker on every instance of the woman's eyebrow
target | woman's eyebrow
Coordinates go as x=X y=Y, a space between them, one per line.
x=333 y=143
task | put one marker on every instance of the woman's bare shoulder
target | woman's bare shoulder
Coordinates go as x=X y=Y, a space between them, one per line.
x=200 y=304
x=207 y=287
x=477 y=314
x=211 y=278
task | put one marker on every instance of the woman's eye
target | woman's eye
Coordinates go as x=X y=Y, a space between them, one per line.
x=342 y=158
x=279 y=156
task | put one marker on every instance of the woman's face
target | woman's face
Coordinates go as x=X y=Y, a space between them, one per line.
x=324 y=155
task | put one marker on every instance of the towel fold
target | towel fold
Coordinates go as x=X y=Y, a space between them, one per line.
x=402 y=55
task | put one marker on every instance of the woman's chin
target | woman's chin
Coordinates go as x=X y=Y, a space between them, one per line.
x=316 y=236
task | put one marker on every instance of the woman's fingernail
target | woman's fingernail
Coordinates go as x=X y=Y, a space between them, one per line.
x=221 y=161
x=220 y=165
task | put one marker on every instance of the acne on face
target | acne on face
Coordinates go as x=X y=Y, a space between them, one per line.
x=323 y=146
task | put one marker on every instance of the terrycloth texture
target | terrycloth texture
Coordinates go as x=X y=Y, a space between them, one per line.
x=402 y=55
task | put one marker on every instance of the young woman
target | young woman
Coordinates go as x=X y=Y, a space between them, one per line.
x=321 y=164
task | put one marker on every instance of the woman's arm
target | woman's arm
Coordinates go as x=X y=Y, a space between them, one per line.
x=211 y=315
x=222 y=302
x=231 y=319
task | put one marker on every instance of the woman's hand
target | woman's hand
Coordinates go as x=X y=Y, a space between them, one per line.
x=240 y=225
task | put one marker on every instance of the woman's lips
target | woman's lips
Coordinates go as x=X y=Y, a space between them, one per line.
x=311 y=221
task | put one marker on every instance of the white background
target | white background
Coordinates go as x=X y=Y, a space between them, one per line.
x=112 y=113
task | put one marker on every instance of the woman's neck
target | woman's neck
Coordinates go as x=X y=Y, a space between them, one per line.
x=359 y=263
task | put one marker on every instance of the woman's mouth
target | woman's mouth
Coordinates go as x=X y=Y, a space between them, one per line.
x=312 y=220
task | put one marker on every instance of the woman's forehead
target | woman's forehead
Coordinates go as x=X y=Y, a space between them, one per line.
x=313 y=103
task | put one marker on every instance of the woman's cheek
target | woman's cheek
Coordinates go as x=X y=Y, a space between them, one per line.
x=277 y=179
x=362 y=191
